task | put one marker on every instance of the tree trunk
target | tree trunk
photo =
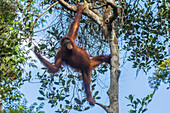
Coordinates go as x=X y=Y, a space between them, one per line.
x=114 y=73
x=114 y=66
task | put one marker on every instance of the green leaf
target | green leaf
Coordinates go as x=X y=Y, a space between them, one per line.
x=138 y=100
x=29 y=44
x=131 y=98
x=68 y=82
x=132 y=111
x=57 y=83
x=73 y=82
x=11 y=28
x=140 y=109
x=144 y=110
x=68 y=107
x=63 y=82
x=67 y=102
x=95 y=94
x=98 y=98
x=77 y=101
x=41 y=92
x=88 y=107
x=41 y=98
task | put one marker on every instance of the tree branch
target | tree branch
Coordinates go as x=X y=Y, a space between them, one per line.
x=65 y=11
x=165 y=12
x=29 y=5
x=42 y=14
x=115 y=10
x=103 y=106
x=95 y=7
x=18 y=5
x=68 y=6
x=86 y=11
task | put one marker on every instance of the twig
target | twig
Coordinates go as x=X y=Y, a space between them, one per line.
x=65 y=11
x=101 y=105
x=21 y=38
x=18 y=5
x=29 y=5
x=165 y=12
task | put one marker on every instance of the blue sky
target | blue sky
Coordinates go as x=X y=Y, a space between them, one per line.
x=128 y=84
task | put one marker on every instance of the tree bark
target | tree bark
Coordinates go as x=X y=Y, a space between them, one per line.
x=114 y=74
x=114 y=66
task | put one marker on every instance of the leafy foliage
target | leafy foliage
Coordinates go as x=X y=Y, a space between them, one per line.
x=22 y=106
x=162 y=74
x=13 y=56
x=64 y=90
x=144 y=32
x=139 y=106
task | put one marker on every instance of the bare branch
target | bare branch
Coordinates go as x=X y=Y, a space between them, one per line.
x=65 y=11
x=97 y=12
x=68 y=6
x=93 y=16
x=29 y=5
x=103 y=106
x=18 y=5
x=115 y=10
x=95 y=7
x=86 y=11
x=21 y=38
x=42 y=14
x=165 y=12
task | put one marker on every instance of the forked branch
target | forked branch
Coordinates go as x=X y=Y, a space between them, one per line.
x=86 y=11
x=115 y=11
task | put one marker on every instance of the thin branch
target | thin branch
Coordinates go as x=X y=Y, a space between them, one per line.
x=165 y=12
x=18 y=5
x=95 y=7
x=21 y=38
x=45 y=28
x=29 y=5
x=42 y=14
x=103 y=106
x=65 y=11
